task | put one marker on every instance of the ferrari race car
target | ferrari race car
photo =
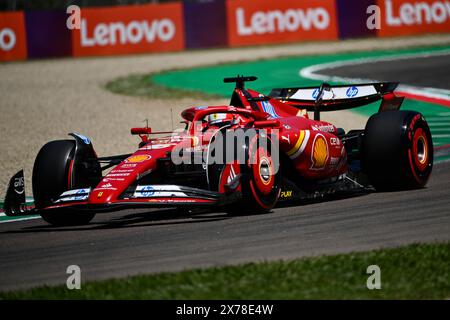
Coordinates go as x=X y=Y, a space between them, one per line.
x=249 y=156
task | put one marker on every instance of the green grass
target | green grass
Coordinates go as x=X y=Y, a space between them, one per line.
x=143 y=86
x=410 y=272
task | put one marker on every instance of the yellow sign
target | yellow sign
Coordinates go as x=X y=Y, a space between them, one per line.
x=286 y=194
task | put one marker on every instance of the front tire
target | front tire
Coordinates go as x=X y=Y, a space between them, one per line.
x=261 y=178
x=51 y=178
x=260 y=175
x=397 y=150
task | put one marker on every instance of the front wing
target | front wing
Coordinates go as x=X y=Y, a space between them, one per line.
x=144 y=196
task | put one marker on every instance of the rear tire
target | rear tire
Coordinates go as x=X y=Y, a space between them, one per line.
x=397 y=150
x=51 y=178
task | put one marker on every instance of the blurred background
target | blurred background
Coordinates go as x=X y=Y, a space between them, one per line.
x=12 y=5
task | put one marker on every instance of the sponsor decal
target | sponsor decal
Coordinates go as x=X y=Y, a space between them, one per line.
x=13 y=44
x=319 y=155
x=300 y=145
x=156 y=146
x=149 y=191
x=99 y=195
x=336 y=93
x=232 y=174
x=122 y=170
x=335 y=141
x=129 y=29
x=268 y=108
x=172 y=201
x=406 y=17
x=334 y=161
x=257 y=22
x=85 y=139
x=351 y=92
x=143 y=174
x=128 y=165
x=315 y=93
x=138 y=158
x=106 y=186
x=324 y=128
x=286 y=138
x=74 y=195
x=286 y=194
x=118 y=175
x=19 y=185
x=113 y=179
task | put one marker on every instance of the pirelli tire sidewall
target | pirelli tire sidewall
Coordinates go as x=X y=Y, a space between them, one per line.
x=397 y=150
x=50 y=171
x=51 y=178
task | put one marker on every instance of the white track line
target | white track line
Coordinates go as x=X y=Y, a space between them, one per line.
x=18 y=219
x=311 y=72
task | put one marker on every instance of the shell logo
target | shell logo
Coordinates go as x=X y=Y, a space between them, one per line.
x=138 y=158
x=319 y=154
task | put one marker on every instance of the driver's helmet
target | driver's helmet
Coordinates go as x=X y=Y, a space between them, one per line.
x=219 y=119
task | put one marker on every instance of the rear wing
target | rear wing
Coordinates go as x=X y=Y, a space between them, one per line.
x=339 y=97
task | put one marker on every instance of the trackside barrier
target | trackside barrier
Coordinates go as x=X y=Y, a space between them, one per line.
x=408 y=17
x=47 y=34
x=262 y=22
x=13 y=43
x=211 y=23
x=352 y=19
x=129 y=29
x=205 y=24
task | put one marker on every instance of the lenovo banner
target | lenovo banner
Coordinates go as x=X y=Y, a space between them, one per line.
x=253 y=22
x=406 y=17
x=13 y=44
x=129 y=29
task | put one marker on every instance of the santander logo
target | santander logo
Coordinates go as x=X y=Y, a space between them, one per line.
x=133 y=32
x=417 y=13
x=7 y=39
x=290 y=20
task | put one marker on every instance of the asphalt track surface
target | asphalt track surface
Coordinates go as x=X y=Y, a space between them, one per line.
x=432 y=71
x=33 y=253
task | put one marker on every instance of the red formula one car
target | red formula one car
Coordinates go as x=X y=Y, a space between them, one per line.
x=259 y=151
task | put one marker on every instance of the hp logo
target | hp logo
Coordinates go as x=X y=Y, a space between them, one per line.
x=147 y=191
x=315 y=93
x=352 y=91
